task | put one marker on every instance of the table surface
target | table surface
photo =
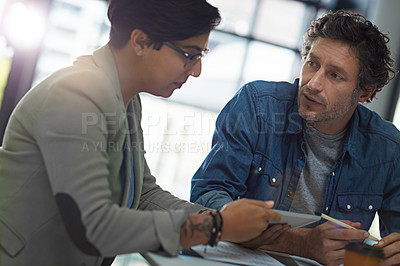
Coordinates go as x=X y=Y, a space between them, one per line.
x=227 y=254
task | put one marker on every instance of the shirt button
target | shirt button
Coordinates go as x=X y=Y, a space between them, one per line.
x=333 y=173
x=290 y=194
x=370 y=207
x=326 y=208
x=273 y=180
x=348 y=207
x=259 y=169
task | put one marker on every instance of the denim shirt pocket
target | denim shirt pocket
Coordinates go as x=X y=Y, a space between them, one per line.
x=265 y=180
x=359 y=202
x=359 y=207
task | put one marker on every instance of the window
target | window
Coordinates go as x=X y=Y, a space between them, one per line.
x=74 y=28
x=257 y=39
x=6 y=53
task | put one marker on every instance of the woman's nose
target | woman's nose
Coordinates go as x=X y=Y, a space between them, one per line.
x=195 y=69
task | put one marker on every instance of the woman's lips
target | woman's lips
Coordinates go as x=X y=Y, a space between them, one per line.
x=178 y=84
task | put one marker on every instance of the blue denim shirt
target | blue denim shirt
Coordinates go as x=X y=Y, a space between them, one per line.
x=258 y=152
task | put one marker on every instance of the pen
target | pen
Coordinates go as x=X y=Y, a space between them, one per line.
x=333 y=220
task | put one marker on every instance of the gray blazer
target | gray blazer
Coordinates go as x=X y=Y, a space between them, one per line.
x=64 y=174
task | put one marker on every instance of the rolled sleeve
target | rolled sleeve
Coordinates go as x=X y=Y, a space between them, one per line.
x=168 y=226
x=214 y=199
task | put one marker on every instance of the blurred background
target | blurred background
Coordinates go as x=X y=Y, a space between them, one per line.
x=257 y=39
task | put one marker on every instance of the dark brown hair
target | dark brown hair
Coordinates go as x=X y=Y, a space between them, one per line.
x=161 y=20
x=366 y=41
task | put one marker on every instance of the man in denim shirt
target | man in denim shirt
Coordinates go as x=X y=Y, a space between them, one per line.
x=311 y=147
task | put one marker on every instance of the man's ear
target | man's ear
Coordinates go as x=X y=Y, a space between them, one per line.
x=363 y=95
x=138 y=41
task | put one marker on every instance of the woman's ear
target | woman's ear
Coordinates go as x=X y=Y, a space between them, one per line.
x=138 y=41
x=363 y=95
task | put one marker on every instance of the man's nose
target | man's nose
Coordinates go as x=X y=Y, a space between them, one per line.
x=317 y=80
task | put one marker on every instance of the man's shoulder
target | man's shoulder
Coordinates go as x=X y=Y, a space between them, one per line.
x=280 y=90
x=373 y=124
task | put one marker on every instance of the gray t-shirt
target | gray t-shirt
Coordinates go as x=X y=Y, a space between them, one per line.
x=321 y=153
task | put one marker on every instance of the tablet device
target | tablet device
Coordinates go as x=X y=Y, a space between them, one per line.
x=296 y=220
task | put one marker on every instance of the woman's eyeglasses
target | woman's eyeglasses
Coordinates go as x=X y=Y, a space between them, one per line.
x=191 y=59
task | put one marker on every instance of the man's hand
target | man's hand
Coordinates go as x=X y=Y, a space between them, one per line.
x=391 y=247
x=269 y=236
x=325 y=243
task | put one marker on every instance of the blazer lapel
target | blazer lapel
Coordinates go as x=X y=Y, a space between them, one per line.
x=136 y=143
x=126 y=167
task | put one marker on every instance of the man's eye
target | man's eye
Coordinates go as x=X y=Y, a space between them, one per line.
x=336 y=76
x=311 y=63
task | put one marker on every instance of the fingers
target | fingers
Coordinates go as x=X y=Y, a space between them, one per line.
x=246 y=219
x=328 y=242
x=387 y=240
x=391 y=247
x=333 y=231
x=335 y=257
x=265 y=204
x=273 y=216
x=355 y=225
x=392 y=260
x=269 y=204
x=348 y=234
x=334 y=245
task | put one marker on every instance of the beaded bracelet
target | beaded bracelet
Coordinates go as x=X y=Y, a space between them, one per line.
x=216 y=230
x=221 y=224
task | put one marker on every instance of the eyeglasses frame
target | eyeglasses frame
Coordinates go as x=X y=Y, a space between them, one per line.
x=190 y=58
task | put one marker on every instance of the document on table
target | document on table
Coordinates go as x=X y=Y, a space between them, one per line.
x=235 y=254
x=289 y=260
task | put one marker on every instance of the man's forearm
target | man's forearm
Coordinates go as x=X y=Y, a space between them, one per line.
x=291 y=242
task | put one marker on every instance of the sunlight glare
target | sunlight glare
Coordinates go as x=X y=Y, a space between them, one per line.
x=25 y=26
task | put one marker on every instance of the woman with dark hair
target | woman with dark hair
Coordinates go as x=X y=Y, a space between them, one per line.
x=75 y=186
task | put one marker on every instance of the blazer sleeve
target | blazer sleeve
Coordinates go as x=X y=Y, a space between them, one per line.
x=77 y=164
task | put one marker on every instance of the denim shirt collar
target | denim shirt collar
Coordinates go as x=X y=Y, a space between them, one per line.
x=350 y=144
x=296 y=121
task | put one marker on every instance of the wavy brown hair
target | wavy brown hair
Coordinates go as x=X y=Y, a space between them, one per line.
x=366 y=41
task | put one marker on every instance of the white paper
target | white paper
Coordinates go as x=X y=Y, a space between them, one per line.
x=299 y=260
x=296 y=220
x=236 y=254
